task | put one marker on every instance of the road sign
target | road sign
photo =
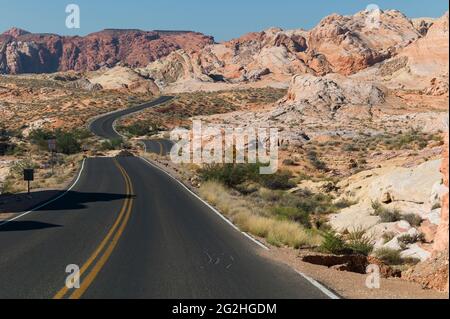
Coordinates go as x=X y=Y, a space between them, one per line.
x=28 y=174
x=52 y=145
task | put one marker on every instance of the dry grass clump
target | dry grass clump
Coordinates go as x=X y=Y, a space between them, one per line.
x=276 y=232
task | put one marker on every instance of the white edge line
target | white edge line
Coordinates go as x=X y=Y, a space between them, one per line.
x=50 y=201
x=319 y=286
x=207 y=204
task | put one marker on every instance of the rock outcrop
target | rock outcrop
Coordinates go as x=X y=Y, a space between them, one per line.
x=24 y=52
x=434 y=273
x=123 y=78
x=441 y=241
x=353 y=43
x=339 y=44
x=327 y=95
x=422 y=65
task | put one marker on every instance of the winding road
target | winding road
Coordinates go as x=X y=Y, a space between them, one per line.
x=135 y=232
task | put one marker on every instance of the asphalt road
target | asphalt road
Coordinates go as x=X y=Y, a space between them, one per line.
x=158 y=146
x=104 y=126
x=136 y=233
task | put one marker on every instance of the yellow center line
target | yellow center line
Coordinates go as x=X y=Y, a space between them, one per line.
x=161 y=151
x=125 y=211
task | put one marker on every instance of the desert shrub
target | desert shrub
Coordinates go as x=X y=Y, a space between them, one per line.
x=408 y=239
x=344 y=203
x=413 y=219
x=350 y=148
x=232 y=175
x=270 y=195
x=111 y=145
x=293 y=213
x=142 y=128
x=279 y=180
x=355 y=242
x=277 y=232
x=289 y=162
x=389 y=256
x=315 y=203
x=390 y=216
x=6 y=187
x=18 y=167
x=386 y=215
x=387 y=237
x=67 y=142
x=315 y=161
x=413 y=139
x=436 y=206
x=333 y=243
x=359 y=242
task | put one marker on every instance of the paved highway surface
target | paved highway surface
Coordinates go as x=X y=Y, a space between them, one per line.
x=136 y=233
x=104 y=126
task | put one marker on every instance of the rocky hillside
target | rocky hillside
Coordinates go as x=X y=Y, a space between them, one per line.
x=24 y=52
x=338 y=44
x=422 y=65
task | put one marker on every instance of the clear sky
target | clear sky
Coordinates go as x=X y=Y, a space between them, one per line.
x=224 y=19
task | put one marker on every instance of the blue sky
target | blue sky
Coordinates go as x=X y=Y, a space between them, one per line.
x=223 y=19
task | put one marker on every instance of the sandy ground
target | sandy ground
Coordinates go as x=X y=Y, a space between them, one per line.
x=352 y=285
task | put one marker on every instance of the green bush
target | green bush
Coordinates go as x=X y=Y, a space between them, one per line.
x=66 y=142
x=315 y=161
x=112 y=145
x=386 y=215
x=407 y=239
x=333 y=243
x=390 y=216
x=142 y=128
x=413 y=219
x=233 y=175
x=359 y=243
x=294 y=214
x=19 y=166
x=355 y=242
x=389 y=256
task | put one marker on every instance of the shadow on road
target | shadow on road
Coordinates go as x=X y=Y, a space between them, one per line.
x=25 y=226
x=70 y=201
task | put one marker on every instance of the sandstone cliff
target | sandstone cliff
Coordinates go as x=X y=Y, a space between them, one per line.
x=339 y=44
x=23 y=52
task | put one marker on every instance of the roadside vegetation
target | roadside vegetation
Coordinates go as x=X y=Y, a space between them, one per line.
x=32 y=151
x=146 y=127
x=269 y=206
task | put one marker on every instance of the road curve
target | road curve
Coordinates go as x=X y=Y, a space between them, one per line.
x=161 y=147
x=104 y=125
x=137 y=233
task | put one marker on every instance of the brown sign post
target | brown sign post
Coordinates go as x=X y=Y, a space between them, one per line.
x=52 y=149
x=28 y=176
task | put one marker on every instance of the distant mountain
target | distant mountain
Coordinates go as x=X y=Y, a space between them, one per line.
x=25 y=52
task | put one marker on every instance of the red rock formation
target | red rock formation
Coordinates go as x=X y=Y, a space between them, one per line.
x=433 y=274
x=23 y=52
x=441 y=241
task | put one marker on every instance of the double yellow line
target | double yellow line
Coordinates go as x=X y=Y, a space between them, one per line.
x=161 y=148
x=106 y=246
